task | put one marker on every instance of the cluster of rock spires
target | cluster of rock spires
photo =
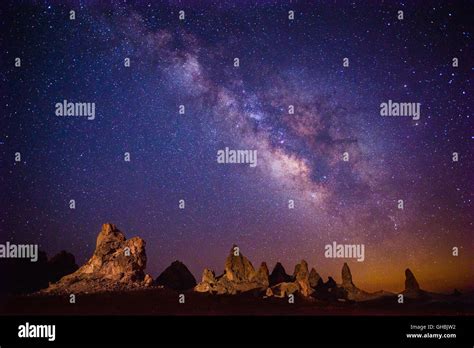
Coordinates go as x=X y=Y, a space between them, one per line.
x=240 y=276
x=119 y=264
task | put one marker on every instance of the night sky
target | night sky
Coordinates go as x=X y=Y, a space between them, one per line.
x=300 y=156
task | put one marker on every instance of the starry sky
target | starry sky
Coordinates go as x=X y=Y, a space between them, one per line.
x=283 y=62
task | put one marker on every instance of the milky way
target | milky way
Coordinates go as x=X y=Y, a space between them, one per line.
x=283 y=64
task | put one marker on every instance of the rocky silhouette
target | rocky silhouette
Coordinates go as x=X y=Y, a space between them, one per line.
x=329 y=291
x=412 y=288
x=60 y=265
x=353 y=292
x=239 y=276
x=39 y=273
x=117 y=264
x=347 y=277
x=410 y=281
x=177 y=277
x=279 y=275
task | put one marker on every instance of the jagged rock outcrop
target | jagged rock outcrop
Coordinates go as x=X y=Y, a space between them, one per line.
x=331 y=283
x=177 y=277
x=412 y=288
x=237 y=267
x=330 y=291
x=347 y=277
x=279 y=275
x=353 y=292
x=208 y=276
x=298 y=283
x=262 y=275
x=301 y=276
x=208 y=281
x=117 y=264
x=239 y=276
x=410 y=281
x=314 y=278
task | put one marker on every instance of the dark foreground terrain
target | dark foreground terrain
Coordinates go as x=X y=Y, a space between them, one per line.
x=114 y=282
x=162 y=301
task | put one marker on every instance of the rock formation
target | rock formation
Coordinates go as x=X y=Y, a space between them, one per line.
x=208 y=282
x=148 y=280
x=237 y=267
x=412 y=288
x=410 y=281
x=347 y=277
x=262 y=275
x=239 y=276
x=39 y=273
x=353 y=292
x=283 y=289
x=176 y=277
x=117 y=264
x=279 y=275
x=301 y=276
x=208 y=276
x=61 y=264
x=300 y=282
x=314 y=278
x=329 y=291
